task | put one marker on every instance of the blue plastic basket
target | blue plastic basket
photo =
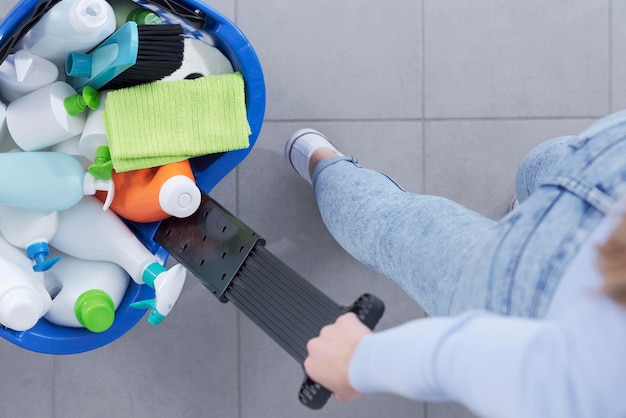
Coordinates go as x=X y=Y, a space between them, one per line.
x=202 y=22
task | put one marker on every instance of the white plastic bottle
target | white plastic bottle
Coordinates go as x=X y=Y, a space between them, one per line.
x=31 y=230
x=94 y=133
x=23 y=296
x=70 y=26
x=85 y=293
x=53 y=123
x=23 y=72
x=86 y=231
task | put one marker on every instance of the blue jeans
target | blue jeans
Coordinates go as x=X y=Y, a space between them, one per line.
x=451 y=259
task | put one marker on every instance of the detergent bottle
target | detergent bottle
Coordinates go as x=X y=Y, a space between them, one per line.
x=46 y=181
x=70 y=26
x=154 y=194
x=53 y=124
x=85 y=293
x=87 y=232
x=30 y=229
x=23 y=72
x=23 y=296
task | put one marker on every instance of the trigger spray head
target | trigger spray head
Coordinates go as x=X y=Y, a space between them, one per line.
x=92 y=184
x=38 y=253
x=102 y=168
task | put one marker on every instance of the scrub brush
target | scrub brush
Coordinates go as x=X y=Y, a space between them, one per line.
x=134 y=54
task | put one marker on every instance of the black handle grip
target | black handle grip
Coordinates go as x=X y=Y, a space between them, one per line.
x=369 y=309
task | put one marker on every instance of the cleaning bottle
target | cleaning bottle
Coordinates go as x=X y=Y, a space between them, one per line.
x=23 y=296
x=126 y=10
x=70 y=26
x=85 y=293
x=94 y=133
x=87 y=232
x=30 y=229
x=23 y=72
x=53 y=124
x=94 y=144
x=154 y=194
x=47 y=181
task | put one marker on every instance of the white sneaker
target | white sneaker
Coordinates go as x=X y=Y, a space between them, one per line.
x=514 y=203
x=301 y=145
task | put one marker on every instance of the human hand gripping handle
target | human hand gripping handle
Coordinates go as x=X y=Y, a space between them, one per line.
x=330 y=353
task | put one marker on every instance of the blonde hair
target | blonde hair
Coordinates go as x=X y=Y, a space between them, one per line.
x=612 y=263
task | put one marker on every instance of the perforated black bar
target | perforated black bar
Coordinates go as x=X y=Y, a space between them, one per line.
x=231 y=261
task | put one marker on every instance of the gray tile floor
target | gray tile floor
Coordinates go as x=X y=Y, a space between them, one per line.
x=445 y=96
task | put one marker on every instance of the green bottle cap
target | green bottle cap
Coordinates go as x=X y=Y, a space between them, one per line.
x=91 y=97
x=77 y=103
x=74 y=104
x=144 y=17
x=95 y=310
x=102 y=168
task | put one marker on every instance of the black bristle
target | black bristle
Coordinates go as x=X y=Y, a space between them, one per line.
x=160 y=53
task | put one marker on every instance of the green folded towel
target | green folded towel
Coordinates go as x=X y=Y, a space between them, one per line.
x=168 y=121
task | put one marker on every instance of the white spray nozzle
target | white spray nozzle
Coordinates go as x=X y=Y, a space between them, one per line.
x=92 y=184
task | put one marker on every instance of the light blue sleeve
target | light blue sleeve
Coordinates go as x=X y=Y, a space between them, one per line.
x=571 y=366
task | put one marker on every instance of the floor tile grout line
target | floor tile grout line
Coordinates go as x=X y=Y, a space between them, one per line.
x=438 y=119
x=423 y=103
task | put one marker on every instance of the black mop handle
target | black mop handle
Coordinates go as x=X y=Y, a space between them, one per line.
x=230 y=260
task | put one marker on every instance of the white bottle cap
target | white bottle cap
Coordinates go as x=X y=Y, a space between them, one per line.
x=179 y=196
x=92 y=184
x=20 y=308
x=89 y=15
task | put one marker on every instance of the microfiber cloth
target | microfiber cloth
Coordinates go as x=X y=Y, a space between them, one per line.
x=162 y=122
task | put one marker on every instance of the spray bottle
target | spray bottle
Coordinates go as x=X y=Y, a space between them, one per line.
x=47 y=181
x=23 y=297
x=85 y=231
x=30 y=229
x=85 y=293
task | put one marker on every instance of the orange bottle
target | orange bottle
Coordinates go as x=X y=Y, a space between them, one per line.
x=154 y=194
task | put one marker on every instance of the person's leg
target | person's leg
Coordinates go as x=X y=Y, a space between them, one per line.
x=538 y=164
x=417 y=241
x=441 y=253
x=522 y=261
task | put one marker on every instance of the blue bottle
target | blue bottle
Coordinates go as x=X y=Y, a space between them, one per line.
x=46 y=181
